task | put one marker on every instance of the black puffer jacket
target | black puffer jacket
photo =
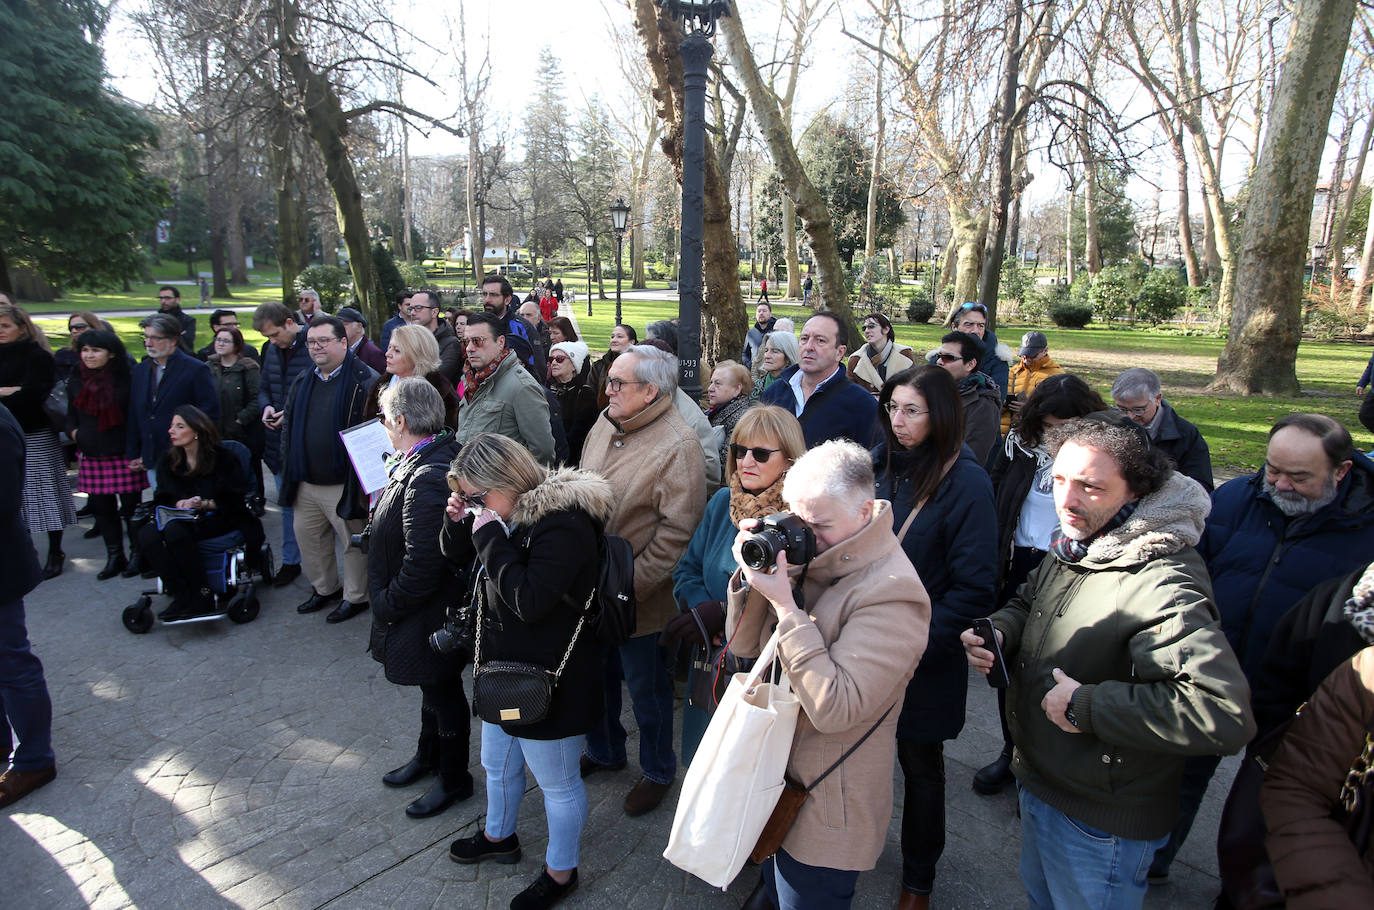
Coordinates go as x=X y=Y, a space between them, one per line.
x=408 y=584
x=537 y=582
x=23 y=363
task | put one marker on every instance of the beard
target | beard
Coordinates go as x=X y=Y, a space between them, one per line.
x=1295 y=505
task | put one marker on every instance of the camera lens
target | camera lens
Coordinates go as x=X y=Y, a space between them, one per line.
x=761 y=550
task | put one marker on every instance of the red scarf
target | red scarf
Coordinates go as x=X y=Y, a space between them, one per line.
x=97 y=396
x=471 y=379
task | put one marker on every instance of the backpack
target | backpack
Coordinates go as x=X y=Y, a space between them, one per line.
x=612 y=604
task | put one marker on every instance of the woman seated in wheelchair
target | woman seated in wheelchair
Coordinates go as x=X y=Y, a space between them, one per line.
x=200 y=476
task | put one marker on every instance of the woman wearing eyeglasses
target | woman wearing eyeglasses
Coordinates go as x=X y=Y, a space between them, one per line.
x=68 y=359
x=765 y=443
x=942 y=502
x=570 y=381
x=880 y=356
x=534 y=535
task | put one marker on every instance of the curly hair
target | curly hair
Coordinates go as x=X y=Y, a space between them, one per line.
x=1144 y=466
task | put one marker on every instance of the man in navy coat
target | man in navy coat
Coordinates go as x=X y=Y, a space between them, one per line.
x=166 y=379
x=818 y=391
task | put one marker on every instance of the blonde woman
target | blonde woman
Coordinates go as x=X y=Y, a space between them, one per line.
x=413 y=351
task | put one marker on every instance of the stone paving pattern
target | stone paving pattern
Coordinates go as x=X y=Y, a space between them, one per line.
x=216 y=765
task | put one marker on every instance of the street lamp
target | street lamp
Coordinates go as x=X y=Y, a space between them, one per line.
x=589 y=239
x=620 y=218
x=698 y=17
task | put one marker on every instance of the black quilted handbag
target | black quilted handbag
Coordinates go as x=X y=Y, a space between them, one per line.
x=507 y=692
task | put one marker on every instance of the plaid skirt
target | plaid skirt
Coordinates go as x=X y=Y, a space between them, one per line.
x=102 y=474
x=48 y=504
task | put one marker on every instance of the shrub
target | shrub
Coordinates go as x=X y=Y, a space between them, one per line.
x=388 y=276
x=1160 y=297
x=1013 y=284
x=1041 y=298
x=1111 y=293
x=1070 y=315
x=331 y=282
x=919 y=307
x=412 y=274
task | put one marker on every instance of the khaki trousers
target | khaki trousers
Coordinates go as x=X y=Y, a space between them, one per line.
x=318 y=528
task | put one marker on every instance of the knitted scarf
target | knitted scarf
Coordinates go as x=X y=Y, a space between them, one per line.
x=765 y=502
x=97 y=396
x=1359 y=609
x=474 y=378
x=1066 y=549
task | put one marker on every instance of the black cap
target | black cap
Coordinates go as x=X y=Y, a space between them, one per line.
x=348 y=314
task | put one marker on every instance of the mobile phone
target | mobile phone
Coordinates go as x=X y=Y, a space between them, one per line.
x=997 y=676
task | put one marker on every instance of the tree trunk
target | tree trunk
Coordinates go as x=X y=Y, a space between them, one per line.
x=830 y=271
x=875 y=175
x=1068 y=233
x=1363 y=275
x=329 y=128
x=1333 y=193
x=1266 y=321
x=1185 y=218
x=1002 y=189
x=638 y=202
x=790 y=253
x=1092 y=254
x=293 y=251
x=1342 y=224
x=477 y=245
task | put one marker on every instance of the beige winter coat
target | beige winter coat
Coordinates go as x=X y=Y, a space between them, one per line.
x=848 y=657
x=658 y=475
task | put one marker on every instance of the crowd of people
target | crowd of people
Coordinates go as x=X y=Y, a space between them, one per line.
x=947 y=509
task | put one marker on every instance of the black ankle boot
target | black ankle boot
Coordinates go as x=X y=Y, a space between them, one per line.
x=410 y=772
x=994 y=778
x=53 y=567
x=114 y=563
x=443 y=794
x=135 y=566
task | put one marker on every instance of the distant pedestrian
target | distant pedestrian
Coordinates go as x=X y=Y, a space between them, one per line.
x=763 y=291
x=807 y=287
x=204 y=293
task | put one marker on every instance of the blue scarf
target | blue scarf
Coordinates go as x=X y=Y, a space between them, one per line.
x=1066 y=549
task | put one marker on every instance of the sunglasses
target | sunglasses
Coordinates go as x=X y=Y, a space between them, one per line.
x=77 y=327
x=475 y=501
x=975 y=306
x=558 y=358
x=943 y=357
x=761 y=455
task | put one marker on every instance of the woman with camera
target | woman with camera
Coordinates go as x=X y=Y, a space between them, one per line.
x=534 y=534
x=942 y=500
x=199 y=475
x=410 y=589
x=97 y=414
x=851 y=625
x=765 y=443
x=1026 y=517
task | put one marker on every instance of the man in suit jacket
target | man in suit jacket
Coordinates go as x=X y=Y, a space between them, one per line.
x=166 y=379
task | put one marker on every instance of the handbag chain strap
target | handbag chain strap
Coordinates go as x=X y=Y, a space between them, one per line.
x=852 y=749
x=481 y=593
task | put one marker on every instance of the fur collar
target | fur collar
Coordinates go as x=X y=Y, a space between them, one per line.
x=565 y=488
x=1166 y=521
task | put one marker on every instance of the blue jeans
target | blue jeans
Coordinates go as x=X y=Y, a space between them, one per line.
x=24 y=704
x=290 y=553
x=644 y=666
x=791 y=885
x=555 y=767
x=1067 y=865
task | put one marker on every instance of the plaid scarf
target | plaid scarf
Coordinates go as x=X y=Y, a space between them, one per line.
x=1066 y=549
x=474 y=378
x=1359 y=609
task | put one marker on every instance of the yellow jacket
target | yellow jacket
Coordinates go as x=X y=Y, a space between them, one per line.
x=1022 y=381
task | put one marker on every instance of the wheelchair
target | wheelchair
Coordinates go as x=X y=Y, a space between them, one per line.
x=232 y=562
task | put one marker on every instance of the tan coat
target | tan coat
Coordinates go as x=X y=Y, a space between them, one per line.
x=658 y=475
x=849 y=660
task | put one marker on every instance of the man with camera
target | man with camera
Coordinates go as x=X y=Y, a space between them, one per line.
x=1113 y=639
x=657 y=471
x=852 y=619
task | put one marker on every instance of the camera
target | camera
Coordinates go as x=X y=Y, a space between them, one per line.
x=361 y=539
x=782 y=532
x=455 y=636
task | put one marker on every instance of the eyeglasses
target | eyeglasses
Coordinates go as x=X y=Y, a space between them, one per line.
x=165 y=297
x=1134 y=412
x=151 y=338
x=761 y=455
x=227 y=325
x=910 y=412
x=615 y=385
x=475 y=501
x=224 y=341
x=946 y=357
x=871 y=325
x=424 y=306
x=77 y=327
x=320 y=342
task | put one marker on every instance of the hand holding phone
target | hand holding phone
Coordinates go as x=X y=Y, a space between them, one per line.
x=998 y=677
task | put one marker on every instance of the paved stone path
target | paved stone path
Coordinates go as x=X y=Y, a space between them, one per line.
x=215 y=765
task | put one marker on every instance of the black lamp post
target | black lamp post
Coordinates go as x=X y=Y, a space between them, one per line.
x=620 y=218
x=589 y=239
x=699 y=18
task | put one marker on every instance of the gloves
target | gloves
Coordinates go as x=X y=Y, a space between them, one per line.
x=683 y=627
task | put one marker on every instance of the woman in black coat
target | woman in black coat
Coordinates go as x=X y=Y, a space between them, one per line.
x=534 y=534
x=1025 y=513
x=570 y=380
x=197 y=474
x=410 y=589
x=924 y=468
x=97 y=418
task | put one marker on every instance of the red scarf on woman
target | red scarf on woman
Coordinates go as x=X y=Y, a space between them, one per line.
x=97 y=396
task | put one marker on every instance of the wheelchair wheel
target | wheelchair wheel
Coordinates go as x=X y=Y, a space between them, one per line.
x=138 y=616
x=244 y=607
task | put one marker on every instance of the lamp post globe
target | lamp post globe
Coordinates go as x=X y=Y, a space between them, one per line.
x=620 y=219
x=590 y=240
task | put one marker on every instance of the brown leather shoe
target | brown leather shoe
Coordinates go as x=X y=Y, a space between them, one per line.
x=909 y=901
x=15 y=785
x=645 y=797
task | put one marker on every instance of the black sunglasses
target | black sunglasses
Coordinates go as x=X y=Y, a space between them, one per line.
x=761 y=455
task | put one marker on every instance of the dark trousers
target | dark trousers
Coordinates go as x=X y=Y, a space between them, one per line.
x=923 y=813
x=109 y=516
x=1197 y=774
x=791 y=885
x=1367 y=411
x=647 y=671
x=24 y=704
x=445 y=727
x=173 y=554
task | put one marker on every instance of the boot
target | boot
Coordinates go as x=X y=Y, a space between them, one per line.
x=114 y=563
x=995 y=777
x=53 y=567
x=445 y=792
x=908 y=901
x=135 y=566
x=410 y=772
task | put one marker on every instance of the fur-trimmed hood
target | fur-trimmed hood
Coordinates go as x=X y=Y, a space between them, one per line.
x=1166 y=521
x=565 y=488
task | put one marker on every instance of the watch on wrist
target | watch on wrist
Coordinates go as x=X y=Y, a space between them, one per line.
x=1068 y=714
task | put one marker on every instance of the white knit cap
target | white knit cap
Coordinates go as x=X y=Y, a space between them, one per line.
x=577 y=350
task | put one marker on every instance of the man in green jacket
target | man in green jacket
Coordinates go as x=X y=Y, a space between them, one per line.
x=1119 y=669
x=499 y=396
